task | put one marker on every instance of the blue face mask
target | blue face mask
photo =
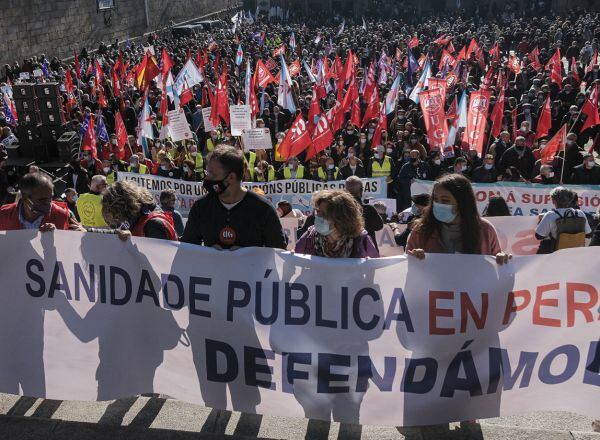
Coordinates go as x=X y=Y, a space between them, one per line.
x=322 y=226
x=443 y=213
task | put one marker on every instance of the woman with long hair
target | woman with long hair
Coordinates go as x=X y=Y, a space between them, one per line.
x=451 y=223
x=338 y=230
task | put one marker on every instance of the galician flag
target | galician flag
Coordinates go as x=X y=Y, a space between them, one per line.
x=459 y=122
x=392 y=96
x=421 y=84
x=285 y=98
x=145 y=130
x=239 y=56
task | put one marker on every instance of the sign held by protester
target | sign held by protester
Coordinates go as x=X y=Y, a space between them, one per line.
x=178 y=127
x=241 y=118
x=257 y=139
x=208 y=125
x=288 y=335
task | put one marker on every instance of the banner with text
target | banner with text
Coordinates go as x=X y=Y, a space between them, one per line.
x=297 y=191
x=391 y=341
x=522 y=198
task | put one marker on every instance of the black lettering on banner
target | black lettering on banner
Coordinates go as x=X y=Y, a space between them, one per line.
x=121 y=273
x=291 y=374
x=41 y=284
x=366 y=371
x=426 y=384
x=325 y=376
x=296 y=303
x=213 y=348
x=252 y=368
x=199 y=296
x=59 y=281
x=80 y=280
x=180 y=295
x=146 y=288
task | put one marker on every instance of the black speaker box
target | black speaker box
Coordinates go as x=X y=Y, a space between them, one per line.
x=29 y=118
x=50 y=135
x=29 y=139
x=23 y=91
x=47 y=90
x=49 y=104
x=54 y=117
x=25 y=105
x=68 y=144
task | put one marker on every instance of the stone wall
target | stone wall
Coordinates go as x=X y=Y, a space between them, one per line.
x=56 y=27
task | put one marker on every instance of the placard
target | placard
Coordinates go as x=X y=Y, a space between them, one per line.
x=240 y=118
x=208 y=126
x=257 y=139
x=178 y=127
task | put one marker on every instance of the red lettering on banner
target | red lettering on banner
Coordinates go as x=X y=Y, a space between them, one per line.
x=512 y=307
x=583 y=307
x=468 y=308
x=528 y=245
x=510 y=198
x=432 y=105
x=435 y=312
x=540 y=302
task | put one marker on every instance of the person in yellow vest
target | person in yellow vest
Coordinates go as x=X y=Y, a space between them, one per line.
x=278 y=159
x=250 y=160
x=292 y=170
x=89 y=205
x=264 y=172
x=328 y=172
x=109 y=172
x=382 y=165
x=194 y=156
x=212 y=141
x=135 y=166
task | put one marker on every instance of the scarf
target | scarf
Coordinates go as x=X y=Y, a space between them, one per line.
x=340 y=249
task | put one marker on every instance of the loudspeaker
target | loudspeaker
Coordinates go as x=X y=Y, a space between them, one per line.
x=29 y=118
x=47 y=90
x=40 y=154
x=23 y=91
x=54 y=117
x=68 y=144
x=29 y=139
x=49 y=104
x=24 y=105
x=50 y=135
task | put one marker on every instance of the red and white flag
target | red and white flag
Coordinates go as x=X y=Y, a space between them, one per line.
x=432 y=105
x=545 y=120
x=296 y=140
x=262 y=76
x=476 y=120
x=554 y=145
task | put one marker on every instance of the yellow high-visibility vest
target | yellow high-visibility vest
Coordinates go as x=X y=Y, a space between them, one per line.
x=287 y=172
x=143 y=169
x=270 y=175
x=111 y=177
x=381 y=170
x=89 y=207
x=323 y=176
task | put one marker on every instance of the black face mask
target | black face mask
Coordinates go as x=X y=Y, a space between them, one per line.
x=215 y=186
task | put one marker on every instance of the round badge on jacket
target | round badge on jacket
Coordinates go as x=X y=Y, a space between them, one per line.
x=227 y=236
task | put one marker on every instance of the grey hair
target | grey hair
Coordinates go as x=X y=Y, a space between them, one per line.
x=354 y=186
x=562 y=197
x=34 y=180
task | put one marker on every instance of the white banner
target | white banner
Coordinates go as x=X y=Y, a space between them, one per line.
x=296 y=191
x=178 y=127
x=522 y=198
x=392 y=341
x=257 y=139
x=208 y=126
x=241 y=119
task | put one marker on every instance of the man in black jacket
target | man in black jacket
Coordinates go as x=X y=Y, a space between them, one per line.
x=588 y=173
x=230 y=216
x=373 y=221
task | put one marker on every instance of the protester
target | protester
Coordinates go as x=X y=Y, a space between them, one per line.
x=230 y=216
x=168 y=200
x=338 y=231
x=36 y=209
x=89 y=205
x=564 y=226
x=371 y=219
x=452 y=224
x=496 y=207
x=131 y=208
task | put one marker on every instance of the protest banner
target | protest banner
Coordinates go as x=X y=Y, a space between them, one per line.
x=394 y=341
x=241 y=118
x=208 y=125
x=257 y=139
x=178 y=127
x=24 y=76
x=297 y=191
x=522 y=198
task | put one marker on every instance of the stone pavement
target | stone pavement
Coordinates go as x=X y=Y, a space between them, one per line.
x=149 y=418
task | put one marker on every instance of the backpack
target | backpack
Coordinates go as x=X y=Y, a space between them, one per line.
x=570 y=232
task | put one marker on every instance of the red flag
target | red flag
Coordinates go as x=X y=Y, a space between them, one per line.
x=355 y=112
x=254 y=107
x=453 y=110
x=442 y=85
x=554 y=145
x=220 y=106
x=77 y=65
x=69 y=82
x=294 y=68
x=351 y=95
x=514 y=64
x=381 y=125
x=432 y=105
x=473 y=48
x=279 y=51
x=322 y=136
x=89 y=139
x=590 y=109
x=414 y=42
x=101 y=98
x=534 y=59
x=262 y=75
x=348 y=68
x=121 y=133
x=462 y=55
x=497 y=115
x=574 y=72
x=166 y=64
x=116 y=83
x=476 y=120
x=545 y=121
x=372 y=107
x=296 y=139
x=446 y=59
x=314 y=110
x=370 y=83
x=554 y=65
x=593 y=60
x=185 y=97
x=99 y=73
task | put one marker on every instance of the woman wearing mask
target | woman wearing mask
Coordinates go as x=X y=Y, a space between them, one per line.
x=363 y=147
x=188 y=172
x=435 y=165
x=338 y=231
x=451 y=224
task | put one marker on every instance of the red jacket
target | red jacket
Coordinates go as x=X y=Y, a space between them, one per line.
x=138 y=229
x=58 y=216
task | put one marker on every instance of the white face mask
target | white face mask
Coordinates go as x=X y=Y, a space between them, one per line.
x=106 y=170
x=589 y=164
x=488 y=166
x=194 y=153
x=389 y=150
x=437 y=161
x=350 y=155
x=550 y=174
x=185 y=169
x=330 y=166
x=463 y=168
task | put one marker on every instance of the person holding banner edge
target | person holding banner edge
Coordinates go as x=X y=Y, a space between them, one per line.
x=451 y=224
